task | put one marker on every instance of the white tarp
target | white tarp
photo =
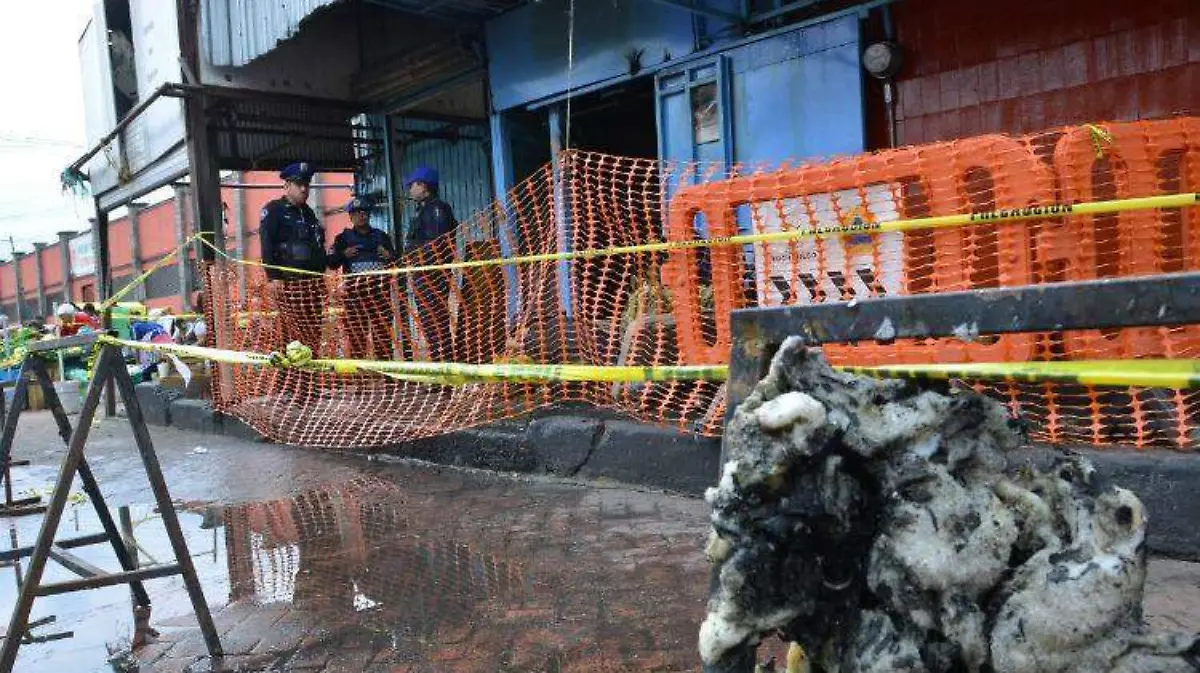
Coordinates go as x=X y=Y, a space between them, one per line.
x=809 y=271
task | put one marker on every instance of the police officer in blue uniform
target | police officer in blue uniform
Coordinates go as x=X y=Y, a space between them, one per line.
x=358 y=249
x=291 y=238
x=431 y=289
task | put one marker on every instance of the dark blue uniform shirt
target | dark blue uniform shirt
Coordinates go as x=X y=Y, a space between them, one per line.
x=369 y=244
x=434 y=218
x=291 y=236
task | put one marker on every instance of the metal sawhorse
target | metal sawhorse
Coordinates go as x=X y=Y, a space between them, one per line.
x=109 y=368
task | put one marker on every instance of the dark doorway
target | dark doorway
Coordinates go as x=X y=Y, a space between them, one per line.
x=618 y=120
x=528 y=141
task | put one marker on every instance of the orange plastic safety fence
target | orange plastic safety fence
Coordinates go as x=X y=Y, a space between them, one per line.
x=673 y=307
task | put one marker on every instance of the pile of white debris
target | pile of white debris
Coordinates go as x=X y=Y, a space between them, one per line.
x=880 y=525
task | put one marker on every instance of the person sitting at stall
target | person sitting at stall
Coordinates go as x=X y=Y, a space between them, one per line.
x=67 y=324
x=89 y=316
x=148 y=330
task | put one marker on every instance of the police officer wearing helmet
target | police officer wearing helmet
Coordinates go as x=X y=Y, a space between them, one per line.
x=431 y=289
x=359 y=249
x=291 y=237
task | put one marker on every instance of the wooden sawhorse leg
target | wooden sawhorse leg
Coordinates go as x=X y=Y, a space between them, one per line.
x=109 y=367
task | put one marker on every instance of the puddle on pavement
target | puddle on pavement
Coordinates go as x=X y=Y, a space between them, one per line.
x=103 y=618
x=412 y=569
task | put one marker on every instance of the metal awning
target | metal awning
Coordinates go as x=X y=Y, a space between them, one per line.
x=235 y=32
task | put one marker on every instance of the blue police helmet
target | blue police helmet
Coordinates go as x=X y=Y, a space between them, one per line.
x=358 y=204
x=422 y=174
x=300 y=172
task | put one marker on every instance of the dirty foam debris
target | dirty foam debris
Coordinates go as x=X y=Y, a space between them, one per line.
x=879 y=525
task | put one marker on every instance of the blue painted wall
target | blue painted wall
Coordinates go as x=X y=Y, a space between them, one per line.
x=527 y=47
x=798 y=95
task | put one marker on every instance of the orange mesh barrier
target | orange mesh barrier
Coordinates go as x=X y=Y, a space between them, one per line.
x=671 y=307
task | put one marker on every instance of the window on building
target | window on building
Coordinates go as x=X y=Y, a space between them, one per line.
x=121 y=55
x=87 y=293
x=706 y=122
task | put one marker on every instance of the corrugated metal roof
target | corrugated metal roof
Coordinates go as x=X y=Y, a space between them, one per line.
x=235 y=32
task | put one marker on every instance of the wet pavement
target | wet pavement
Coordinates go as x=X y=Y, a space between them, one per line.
x=315 y=561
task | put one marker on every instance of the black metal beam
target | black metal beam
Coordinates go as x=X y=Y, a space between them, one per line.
x=167 y=89
x=1171 y=299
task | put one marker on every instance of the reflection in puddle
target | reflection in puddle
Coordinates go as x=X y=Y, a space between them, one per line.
x=478 y=576
x=101 y=620
x=353 y=552
x=428 y=571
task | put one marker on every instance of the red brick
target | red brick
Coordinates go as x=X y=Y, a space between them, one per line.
x=951 y=124
x=1029 y=74
x=1131 y=56
x=1175 y=42
x=933 y=128
x=1125 y=99
x=1103 y=104
x=909 y=94
x=1058 y=107
x=1154 y=99
x=1105 y=60
x=1031 y=114
x=949 y=86
x=991 y=117
x=1192 y=41
x=909 y=131
x=1190 y=75
x=1149 y=39
x=930 y=94
x=969 y=94
x=1008 y=78
x=971 y=121
x=989 y=87
x=1050 y=69
x=1076 y=64
x=972 y=50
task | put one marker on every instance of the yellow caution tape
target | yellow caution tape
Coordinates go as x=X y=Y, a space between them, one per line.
x=141 y=278
x=1100 y=138
x=300 y=357
x=1174 y=374
x=254 y=262
x=1177 y=374
x=1032 y=212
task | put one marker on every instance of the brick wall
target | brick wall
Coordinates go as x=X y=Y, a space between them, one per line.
x=157 y=237
x=1016 y=67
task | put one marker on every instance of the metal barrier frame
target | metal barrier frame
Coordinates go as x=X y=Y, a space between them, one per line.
x=1149 y=301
